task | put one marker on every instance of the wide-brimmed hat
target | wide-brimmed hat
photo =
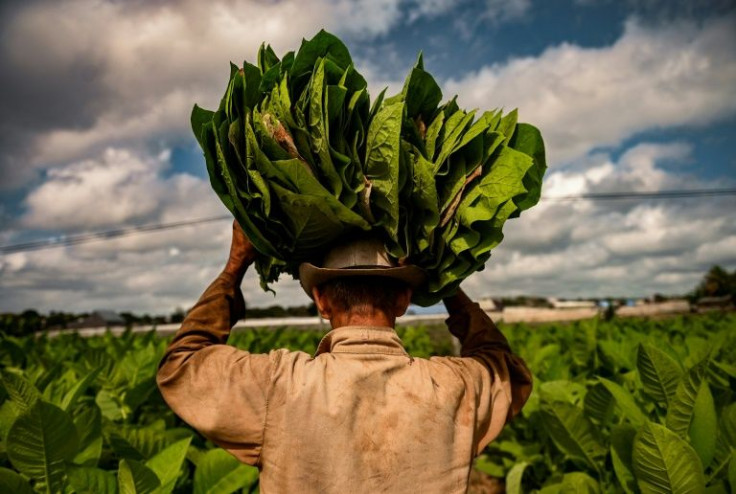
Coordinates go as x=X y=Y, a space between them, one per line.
x=361 y=257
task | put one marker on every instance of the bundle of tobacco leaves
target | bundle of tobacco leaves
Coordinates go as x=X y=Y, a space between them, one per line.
x=301 y=158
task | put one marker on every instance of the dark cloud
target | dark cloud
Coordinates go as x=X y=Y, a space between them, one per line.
x=40 y=97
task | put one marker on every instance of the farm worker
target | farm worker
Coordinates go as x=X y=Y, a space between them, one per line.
x=361 y=415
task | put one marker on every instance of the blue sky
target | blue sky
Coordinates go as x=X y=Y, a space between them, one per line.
x=630 y=96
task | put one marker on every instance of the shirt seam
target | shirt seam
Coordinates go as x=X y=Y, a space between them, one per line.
x=272 y=386
x=397 y=354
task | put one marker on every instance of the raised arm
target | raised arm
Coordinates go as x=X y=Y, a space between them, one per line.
x=502 y=381
x=217 y=389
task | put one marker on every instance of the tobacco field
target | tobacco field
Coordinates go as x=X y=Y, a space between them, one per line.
x=618 y=406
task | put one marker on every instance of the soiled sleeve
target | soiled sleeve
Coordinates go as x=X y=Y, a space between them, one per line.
x=217 y=389
x=501 y=380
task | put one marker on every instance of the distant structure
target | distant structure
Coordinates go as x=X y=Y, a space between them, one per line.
x=724 y=302
x=490 y=305
x=99 y=319
x=556 y=303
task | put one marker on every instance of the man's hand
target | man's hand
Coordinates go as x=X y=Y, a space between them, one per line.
x=242 y=253
x=456 y=302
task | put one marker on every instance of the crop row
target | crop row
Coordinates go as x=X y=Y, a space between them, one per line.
x=619 y=406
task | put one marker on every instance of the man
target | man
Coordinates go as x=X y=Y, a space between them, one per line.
x=361 y=415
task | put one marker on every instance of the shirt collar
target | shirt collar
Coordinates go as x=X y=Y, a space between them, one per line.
x=362 y=339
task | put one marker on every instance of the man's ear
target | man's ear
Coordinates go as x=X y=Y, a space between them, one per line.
x=402 y=302
x=322 y=303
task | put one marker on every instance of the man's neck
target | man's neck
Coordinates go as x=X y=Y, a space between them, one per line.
x=377 y=318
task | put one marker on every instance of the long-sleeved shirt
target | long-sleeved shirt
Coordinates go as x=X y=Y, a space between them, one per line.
x=361 y=415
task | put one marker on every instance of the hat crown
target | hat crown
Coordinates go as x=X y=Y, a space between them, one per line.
x=363 y=253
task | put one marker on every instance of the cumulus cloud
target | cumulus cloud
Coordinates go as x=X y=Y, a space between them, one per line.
x=123 y=80
x=115 y=73
x=152 y=272
x=682 y=74
x=116 y=188
x=585 y=248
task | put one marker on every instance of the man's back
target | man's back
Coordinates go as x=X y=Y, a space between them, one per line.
x=367 y=417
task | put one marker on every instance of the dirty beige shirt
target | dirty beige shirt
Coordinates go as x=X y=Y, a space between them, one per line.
x=361 y=415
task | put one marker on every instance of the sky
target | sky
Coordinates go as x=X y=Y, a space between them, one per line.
x=630 y=95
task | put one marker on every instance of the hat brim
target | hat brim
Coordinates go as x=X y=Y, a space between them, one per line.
x=311 y=275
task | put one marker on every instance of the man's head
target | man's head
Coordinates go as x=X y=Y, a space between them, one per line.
x=358 y=281
x=362 y=299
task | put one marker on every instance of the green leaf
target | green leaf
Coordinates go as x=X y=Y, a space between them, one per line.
x=311 y=222
x=322 y=45
x=692 y=413
x=8 y=414
x=39 y=442
x=109 y=405
x=725 y=442
x=318 y=130
x=622 y=443
x=20 y=390
x=572 y=432
x=598 y=403
x=484 y=464
x=421 y=92
x=382 y=165
x=579 y=483
x=659 y=373
x=136 y=478
x=732 y=472
x=71 y=397
x=514 y=478
x=266 y=57
x=704 y=425
x=12 y=482
x=624 y=401
x=167 y=464
x=528 y=140
x=92 y=480
x=562 y=390
x=219 y=472
x=138 y=443
x=199 y=118
x=665 y=463
x=87 y=420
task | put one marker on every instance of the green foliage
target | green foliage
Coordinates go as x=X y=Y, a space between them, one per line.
x=300 y=157
x=621 y=406
x=650 y=408
x=84 y=415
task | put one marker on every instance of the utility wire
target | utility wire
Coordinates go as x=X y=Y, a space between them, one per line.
x=84 y=238
x=661 y=194
x=68 y=240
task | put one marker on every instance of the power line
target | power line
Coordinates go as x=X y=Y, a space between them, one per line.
x=661 y=194
x=69 y=240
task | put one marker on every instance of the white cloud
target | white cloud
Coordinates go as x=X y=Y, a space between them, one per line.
x=569 y=249
x=152 y=62
x=605 y=248
x=136 y=273
x=506 y=10
x=116 y=188
x=582 y=98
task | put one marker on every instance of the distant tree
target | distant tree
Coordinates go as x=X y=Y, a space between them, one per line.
x=177 y=316
x=717 y=282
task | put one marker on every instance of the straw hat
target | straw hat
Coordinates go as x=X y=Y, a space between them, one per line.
x=363 y=257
